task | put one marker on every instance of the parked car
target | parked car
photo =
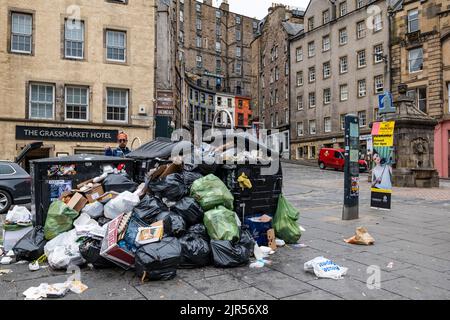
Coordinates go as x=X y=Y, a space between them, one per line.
x=334 y=158
x=15 y=185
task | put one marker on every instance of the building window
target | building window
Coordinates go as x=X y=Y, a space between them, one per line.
x=277 y=74
x=415 y=60
x=181 y=16
x=276 y=119
x=379 y=84
x=312 y=126
x=181 y=36
x=198 y=42
x=326 y=43
x=310 y=23
x=286 y=116
x=74 y=39
x=360 y=29
x=362 y=88
x=343 y=89
x=360 y=3
x=238 y=52
x=326 y=16
x=312 y=150
x=343 y=37
x=238 y=19
x=378 y=53
x=218 y=14
x=198 y=7
x=361 y=58
x=327 y=124
x=327 y=96
x=238 y=68
x=362 y=118
x=343 y=8
x=420 y=98
x=116 y=45
x=199 y=24
x=312 y=74
x=286 y=69
x=299 y=54
x=42 y=101
x=413 y=20
x=218 y=46
x=21 y=32
x=218 y=30
x=343 y=64
x=342 y=121
x=312 y=99
x=311 y=49
x=77 y=103
x=299 y=78
x=376 y=114
x=199 y=61
x=218 y=65
x=377 y=22
x=299 y=129
x=300 y=103
x=238 y=35
x=117 y=105
x=326 y=70
x=286 y=91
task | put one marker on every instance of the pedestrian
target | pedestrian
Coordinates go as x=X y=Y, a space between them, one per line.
x=122 y=150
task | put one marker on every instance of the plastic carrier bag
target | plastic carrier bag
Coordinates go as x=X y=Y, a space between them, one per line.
x=285 y=221
x=59 y=219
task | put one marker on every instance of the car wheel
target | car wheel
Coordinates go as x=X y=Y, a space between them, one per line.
x=5 y=201
x=322 y=165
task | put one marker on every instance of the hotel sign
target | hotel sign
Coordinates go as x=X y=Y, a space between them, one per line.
x=65 y=134
x=164 y=103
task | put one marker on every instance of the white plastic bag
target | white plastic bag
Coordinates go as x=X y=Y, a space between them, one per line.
x=63 y=250
x=325 y=268
x=123 y=203
x=18 y=214
x=94 y=210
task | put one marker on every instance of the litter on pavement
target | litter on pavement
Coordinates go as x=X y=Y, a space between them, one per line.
x=361 y=237
x=325 y=268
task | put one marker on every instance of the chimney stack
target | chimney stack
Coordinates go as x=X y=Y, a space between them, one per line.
x=208 y=2
x=224 y=6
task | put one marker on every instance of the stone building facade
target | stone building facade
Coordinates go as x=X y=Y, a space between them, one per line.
x=270 y=54
x=79 y=73
x=420 y=59
x=339 y=66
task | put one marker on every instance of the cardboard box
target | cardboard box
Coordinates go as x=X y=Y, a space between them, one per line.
x=92 y=193
x=111 y=250
x=164 y=170
x=104 y=198
x=271 y=239
x=77 y=202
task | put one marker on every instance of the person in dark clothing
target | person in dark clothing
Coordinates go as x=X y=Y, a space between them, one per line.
x=122 y=150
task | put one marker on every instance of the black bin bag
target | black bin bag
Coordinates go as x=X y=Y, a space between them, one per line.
x=118 y=183
x=149 y=208
x=227 y=254
x=199 y=230
x=31 y=246
x=159 y=260
x=190 y=176
x=171 y=187
x=90 y=251
x=190 y=210
x=174 y=224
x=195 y=251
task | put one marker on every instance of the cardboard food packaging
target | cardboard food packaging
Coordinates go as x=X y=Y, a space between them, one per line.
x=271 y=239
x=77 y=202
x=104 y=198
x=92 y=193
x=149 y=235
x=111 y=250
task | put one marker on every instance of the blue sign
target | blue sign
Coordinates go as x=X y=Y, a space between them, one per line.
x=385 y=103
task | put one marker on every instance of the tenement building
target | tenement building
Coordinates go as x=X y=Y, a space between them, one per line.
x=420 y=58
x=270 y=65
x=213 y=52
x=74 y=76
x=339 y=65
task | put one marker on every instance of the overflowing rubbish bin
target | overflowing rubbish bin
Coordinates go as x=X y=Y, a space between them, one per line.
x=154 y=213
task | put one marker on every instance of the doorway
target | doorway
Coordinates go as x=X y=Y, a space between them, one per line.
x=43 y=152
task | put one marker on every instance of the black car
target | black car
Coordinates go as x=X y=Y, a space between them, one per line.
x=15 y=185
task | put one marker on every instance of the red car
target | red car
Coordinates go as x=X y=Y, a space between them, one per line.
x=334 y=158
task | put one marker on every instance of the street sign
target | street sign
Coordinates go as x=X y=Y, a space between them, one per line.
x=385 y=103
x=351 y=169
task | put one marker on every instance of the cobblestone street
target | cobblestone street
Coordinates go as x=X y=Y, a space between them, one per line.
x=411 y=249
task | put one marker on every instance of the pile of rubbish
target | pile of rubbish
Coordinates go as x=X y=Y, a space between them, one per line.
x=181 y=217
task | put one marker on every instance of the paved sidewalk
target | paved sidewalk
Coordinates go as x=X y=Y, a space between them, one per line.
x=412 y=250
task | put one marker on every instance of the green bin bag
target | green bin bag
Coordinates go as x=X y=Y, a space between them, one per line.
x=59 y=219
x=285 y=221
x=221 y=224
x=211 y=192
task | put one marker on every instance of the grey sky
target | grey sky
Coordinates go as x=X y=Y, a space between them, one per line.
x=258 y=8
